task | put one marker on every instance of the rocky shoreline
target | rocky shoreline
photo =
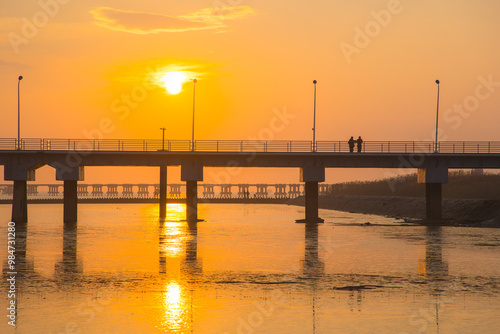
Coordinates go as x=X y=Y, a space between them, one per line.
x=456 y=212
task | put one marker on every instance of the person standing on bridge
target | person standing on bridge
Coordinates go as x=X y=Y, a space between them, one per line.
x=359 y=141
x=351 y=144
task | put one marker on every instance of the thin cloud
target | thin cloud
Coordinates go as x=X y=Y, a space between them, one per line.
x=148 y=23
x=220 y=14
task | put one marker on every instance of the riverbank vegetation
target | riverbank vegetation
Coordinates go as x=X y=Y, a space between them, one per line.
x=461 y=184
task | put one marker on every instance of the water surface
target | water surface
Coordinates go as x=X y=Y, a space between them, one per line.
x=249 y=269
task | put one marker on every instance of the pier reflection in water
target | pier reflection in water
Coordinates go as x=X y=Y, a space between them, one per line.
x=128 y=273
x=70 y=264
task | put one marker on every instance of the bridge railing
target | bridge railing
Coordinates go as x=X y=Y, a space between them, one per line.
x=273 y=146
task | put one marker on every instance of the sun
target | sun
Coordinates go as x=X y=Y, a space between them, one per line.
x=173 y=81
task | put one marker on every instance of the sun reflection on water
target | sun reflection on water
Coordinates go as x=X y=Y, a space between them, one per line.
x=176 y=309
x=175 y=240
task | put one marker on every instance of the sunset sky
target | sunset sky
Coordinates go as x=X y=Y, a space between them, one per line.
x=375 y=61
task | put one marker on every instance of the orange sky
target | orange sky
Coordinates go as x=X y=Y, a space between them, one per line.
x=375 y=62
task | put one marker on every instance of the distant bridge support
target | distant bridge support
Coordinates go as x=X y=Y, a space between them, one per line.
x=70 y=176
x=192 y=173
x=433 y=177
x=312 y=176
x=163 y=193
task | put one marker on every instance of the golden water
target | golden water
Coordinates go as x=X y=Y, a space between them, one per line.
x=248 y=269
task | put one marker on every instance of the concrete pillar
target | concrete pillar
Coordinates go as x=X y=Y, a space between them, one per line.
x=20 y=173
x=191 y=201
x=163 y=193
x=433 y=177
x=312 y=175
x=312 y=202
x=70 y=176
x=70 y=202
x=192 y=173
x=433 y=201
x=20 y=202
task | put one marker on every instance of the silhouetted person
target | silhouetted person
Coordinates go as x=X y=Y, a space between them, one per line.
x=351 y=144
x=359 y=141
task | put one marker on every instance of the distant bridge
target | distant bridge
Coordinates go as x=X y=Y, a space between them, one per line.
x=177 y=190
x=69 y=157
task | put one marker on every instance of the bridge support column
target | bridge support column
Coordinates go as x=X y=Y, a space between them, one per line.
x=70 y=202
x=20 y=202
x=312 y=176
x=433 y=177
x=70 y=176
x=163 y=193
x=20 y=174
x=312 y=201
x=192 y=173
x=433 y=201
x=192 y=201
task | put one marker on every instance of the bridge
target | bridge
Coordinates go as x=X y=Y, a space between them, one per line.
x=69 y=157
x=177 y=190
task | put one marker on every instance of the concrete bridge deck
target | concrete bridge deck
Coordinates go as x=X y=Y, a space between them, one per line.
x=69 y=157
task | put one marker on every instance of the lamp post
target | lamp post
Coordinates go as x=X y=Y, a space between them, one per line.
x=194 y=98
x=163 y=139
x=437 y=120
x=19 y=112
x=314 y=119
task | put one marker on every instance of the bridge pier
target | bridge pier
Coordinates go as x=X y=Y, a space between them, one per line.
x=20 y=202
x=433 y=201
x=433 y=177
x=20 y=174
x=70 y=176
x=192 y=201
x=312 y=175
x=163 y=193
x=70 y=202
x=192 y=173
x=312 y=201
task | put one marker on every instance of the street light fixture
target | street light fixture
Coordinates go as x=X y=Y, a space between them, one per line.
x=163 y=139
x=314 y=119
x=19 y=112
x=194 y=98
x=437 y=120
